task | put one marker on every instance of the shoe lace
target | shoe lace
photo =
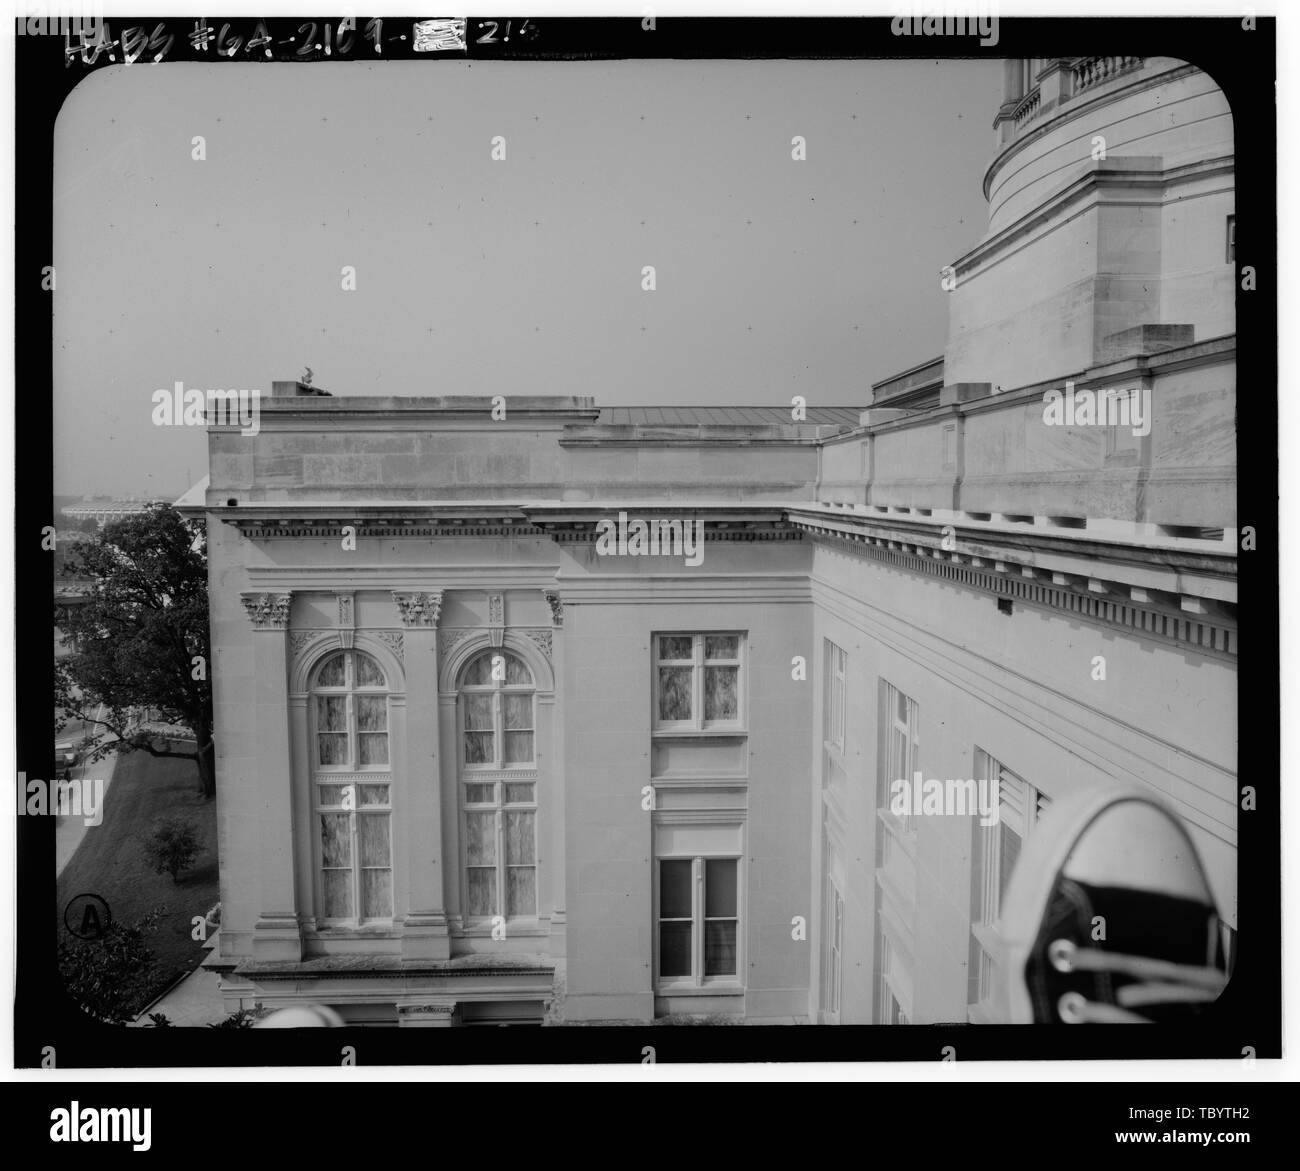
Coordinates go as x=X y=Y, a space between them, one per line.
x=1155 y=982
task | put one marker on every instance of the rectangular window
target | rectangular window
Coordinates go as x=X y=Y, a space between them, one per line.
x=900 y=718
x=832 y=948
x=698 y=916
x=995 y=850
x=356 y=851
x=500 y=819
x=698 y=681
x=1231 y=250
x=836 y=668
x=894 y=989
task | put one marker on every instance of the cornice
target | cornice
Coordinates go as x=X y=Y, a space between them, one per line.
x=1183 y=620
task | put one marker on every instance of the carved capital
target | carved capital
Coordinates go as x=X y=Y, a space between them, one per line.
x=557 y=606
x=419 y=609
x=267 y=611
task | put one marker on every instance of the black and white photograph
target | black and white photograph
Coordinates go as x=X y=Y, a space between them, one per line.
x=643 y=538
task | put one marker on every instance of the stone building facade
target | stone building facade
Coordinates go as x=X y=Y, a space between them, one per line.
x=485 y=755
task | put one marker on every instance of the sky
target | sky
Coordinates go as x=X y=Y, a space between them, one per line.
x=773 y=277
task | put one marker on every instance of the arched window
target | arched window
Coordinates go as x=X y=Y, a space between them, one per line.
x=352 y=790
x=497 y=755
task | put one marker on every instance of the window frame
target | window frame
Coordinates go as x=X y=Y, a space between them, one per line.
x=833 y=950
x=698 y=664
x=989 y=883
x=498 y=690
x=835 y=673
x=698 y=980
x=903 y=827
x=349 y=776
x=500 y=775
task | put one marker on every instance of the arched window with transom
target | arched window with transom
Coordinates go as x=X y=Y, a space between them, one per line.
x=498 y=787
x=352 y=799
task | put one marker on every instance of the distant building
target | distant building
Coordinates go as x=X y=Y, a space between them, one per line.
x=104 y=510
x=482 y=758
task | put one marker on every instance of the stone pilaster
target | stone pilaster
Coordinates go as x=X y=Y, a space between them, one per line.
x=277 y=934
x=424 y=927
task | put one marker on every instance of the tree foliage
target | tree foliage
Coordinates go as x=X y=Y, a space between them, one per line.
x=112 y=976
x=140 y=640
x=172 y=846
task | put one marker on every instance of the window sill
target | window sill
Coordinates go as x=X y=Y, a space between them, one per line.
x=894 y=825
x=698 y=733
x=727 y=989
x=364 y=931
x=530 y=928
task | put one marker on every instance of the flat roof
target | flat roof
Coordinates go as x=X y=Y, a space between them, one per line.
x=724 y=415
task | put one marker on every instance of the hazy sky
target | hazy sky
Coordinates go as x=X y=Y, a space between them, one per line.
x=774 y=277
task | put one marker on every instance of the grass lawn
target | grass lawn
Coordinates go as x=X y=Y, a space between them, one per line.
x=110 y=861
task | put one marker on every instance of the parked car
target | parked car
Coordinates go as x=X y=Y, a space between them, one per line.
x=65 y=757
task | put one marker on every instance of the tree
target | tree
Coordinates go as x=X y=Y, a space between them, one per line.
x=172 y=846
x=141 y=638
x=113 y=976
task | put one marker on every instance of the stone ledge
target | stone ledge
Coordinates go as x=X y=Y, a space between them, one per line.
x=346 y=966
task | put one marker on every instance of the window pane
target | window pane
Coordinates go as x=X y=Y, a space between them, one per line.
x=372 y=839
x=372 y=713
x=519 y=838
x=368 y=672
x=901 y=707
x=335 y=839
x=482 y=891
x=673 y=646
x=521 y=895
x=674 y=693
x=519 y=794
x=332 y=748
x=481 y=839
x=518 y=710
x=675 y=888
x=721 y=701
x=478 y=712
x=720 y=947
x=720 y=888
x=519 y=748
x=516 y=672
x=331 y=713
x=376 y=894
x=332 y=795
x=478 y=794
x=479 y=748
x=372 y=794
x=372 y=748
x=337 y=889
x=722 y=646
x=675 y=949
x=331 y=672
x=1010 y=852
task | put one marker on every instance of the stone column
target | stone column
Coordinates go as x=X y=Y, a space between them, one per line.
x=277 y=933
x=424 y=928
